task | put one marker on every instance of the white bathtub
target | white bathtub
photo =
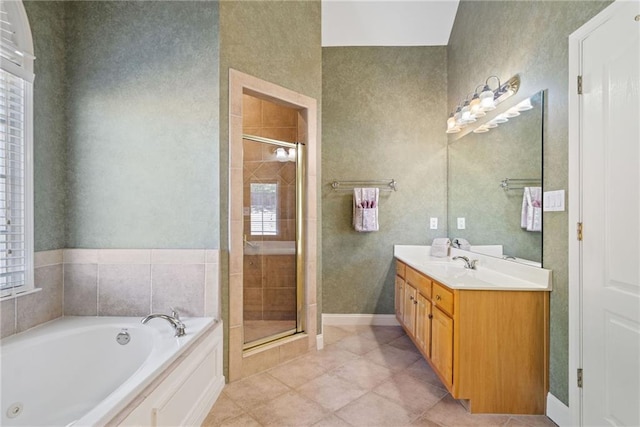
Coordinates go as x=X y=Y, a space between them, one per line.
x=72 y=371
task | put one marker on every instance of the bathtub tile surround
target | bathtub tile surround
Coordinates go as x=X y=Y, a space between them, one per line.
x=136 y=282
x=24 y=312
x=114 y=282
x=124 y=289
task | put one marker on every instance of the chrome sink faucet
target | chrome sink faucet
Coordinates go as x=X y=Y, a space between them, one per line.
x=471 y=265
x=174 y=321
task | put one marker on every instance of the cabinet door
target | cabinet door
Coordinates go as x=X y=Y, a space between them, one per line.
x=423 y=324
x=442 y=344
x=410 y=303
x=399 y=299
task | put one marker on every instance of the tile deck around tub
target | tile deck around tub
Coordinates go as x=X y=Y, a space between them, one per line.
x=365 y=376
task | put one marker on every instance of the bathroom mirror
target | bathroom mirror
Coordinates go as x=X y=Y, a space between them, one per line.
x=483 y=208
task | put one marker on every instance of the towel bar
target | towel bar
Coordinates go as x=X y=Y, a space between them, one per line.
x=384 y=184
x=504 y=184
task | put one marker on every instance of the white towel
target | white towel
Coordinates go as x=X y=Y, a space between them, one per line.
x=531 y=217
x=440 y=247
x=365 y=209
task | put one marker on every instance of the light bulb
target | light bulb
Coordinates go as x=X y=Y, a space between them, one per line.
x=525 y=105
x=486 y=99
x=281 y=154
x=292 y=154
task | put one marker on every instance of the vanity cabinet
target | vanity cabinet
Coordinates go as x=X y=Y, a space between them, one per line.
x=489 y=347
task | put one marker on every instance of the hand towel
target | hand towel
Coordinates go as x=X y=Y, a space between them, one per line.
x=440 y=247
x=365 y=209
x=531 y=216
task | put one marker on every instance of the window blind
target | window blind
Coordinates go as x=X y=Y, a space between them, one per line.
x=12 y=184
x=8 y=45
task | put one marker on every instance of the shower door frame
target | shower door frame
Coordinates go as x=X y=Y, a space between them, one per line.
x=299 y=147
x=240 y=362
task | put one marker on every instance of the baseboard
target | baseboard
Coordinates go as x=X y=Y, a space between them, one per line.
x=558 y=411
x=319 y=342
x=360 y=319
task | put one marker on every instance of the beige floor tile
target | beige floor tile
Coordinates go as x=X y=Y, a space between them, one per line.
x=244 y=420
x=425 y=422
x=331 y=392
x=332 y=421
x=404 y=343
x=392 y=357
x=333 y=334
x=297 y=372
x=223 y=409
x=422 y=370
x=255 y=390
x=330 y=357
x=410 y=392
x=373 y=410
x=357 y=344
x=290 y=409
x=363 y=373
x=531 y=421
x=383 y=334
x=449 y=412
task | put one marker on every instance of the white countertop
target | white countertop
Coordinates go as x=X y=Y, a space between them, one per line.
x=490 y=274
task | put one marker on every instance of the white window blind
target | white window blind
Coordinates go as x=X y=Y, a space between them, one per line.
x=264 y=209
x=12 y=184
x=8 y=44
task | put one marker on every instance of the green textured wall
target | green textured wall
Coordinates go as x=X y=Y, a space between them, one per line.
x=277 y=41
x=530 y=39
x=383 y=115
x=50 y=132
x=142 y=105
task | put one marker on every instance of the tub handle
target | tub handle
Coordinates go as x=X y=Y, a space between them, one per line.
x=174 y=313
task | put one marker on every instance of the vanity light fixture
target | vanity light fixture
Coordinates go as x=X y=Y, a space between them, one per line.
x=485 y=100
x=452 y=127
x=282 y=155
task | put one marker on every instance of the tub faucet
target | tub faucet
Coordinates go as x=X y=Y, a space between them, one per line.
x=471 y=265
x=174 y=321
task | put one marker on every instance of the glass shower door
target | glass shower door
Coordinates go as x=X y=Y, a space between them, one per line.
x=271 y=282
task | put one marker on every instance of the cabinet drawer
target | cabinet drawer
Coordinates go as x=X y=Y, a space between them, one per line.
x=420 y=282
x=443 y=298
x=400 y=269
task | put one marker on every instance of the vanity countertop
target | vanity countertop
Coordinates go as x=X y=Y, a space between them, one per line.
x=490 y=274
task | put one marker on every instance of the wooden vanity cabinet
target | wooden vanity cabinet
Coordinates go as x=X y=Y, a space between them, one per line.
x=489 y=347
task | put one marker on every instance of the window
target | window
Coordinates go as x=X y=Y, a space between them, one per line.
x=264 y=209
x=16 y=175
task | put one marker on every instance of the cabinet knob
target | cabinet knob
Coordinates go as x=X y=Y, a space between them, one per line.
x=411 y=297
x=438 y=297
x=430 y=316
x=415 y=301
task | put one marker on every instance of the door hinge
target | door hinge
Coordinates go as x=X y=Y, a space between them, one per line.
x=579 y=85
x=580 y=377
x=579 y=230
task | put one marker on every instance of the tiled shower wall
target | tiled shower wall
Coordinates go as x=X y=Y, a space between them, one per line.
x=269 y=288
x=113 y=282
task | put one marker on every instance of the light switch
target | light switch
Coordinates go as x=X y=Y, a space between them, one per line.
x=553 y=201
x=461 y=224
x=433 y=223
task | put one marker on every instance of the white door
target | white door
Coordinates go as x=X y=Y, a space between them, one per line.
x=610 y=188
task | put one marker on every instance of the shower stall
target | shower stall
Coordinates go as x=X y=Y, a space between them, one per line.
x=272 y=222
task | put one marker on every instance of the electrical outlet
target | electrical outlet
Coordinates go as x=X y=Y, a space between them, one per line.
x=433 y=223
x=461 y=224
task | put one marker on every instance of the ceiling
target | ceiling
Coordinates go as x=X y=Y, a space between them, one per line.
x=387 y=22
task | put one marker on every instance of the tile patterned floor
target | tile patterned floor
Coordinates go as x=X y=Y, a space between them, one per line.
x=365 y=376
